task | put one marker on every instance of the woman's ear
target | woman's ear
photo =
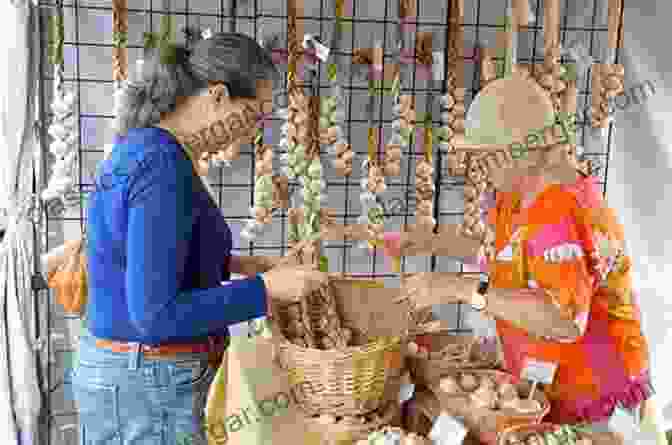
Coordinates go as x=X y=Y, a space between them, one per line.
x=219 y=93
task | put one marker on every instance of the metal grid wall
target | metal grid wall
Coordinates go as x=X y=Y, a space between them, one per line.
x=88 y=72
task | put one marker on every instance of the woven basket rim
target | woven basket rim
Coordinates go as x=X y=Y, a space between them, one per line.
x=283 y=342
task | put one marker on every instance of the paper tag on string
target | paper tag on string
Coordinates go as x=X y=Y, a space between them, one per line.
x=447 y=430
x=539 y=371
x=438 y=65
x=625 y=422
x=321 y=51
x=483 y=326
x=406 y=392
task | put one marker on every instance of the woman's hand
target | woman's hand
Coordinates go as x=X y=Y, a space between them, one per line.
x=430 y=288
x=252 y=265
x=55 y=258
x=287 y=284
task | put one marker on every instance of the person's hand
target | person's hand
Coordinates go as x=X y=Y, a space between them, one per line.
x=287 y=284
x=55 y=258
x=429 y=288
x=252 y=265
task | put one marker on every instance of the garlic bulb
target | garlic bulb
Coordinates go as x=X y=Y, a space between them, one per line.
x=63 y=148
x=488 y=382
x=468 y=382
x=507 y=391
x=513 y=439
x=528 y=406
x=484 y=397
x=535 y=439
x=449 y=385
x=327 y=419
x=412 y=349
x=373 y=214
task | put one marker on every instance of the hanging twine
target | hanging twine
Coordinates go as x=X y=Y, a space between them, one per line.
x=120 y=40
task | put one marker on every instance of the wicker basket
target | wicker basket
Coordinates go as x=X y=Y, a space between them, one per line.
x=484 y=423
x=469 y=355
x=348 y=433
x=600 y=438
x=357 y=379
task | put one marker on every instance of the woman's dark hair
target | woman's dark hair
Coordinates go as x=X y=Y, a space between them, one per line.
x=235 y=59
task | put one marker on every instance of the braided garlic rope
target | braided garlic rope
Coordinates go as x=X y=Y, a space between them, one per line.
x=607 y=83
x=119 y=27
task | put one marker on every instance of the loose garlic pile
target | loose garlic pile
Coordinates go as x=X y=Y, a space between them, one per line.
x=327 y=328
x=564 y=434
x=607 y=83
x=393 y=435
x=297 y=330
x=485 y=393
x=450 y=352
x=330 y=419
x=315 y=323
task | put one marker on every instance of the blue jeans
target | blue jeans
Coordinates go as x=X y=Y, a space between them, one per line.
x=127 y=399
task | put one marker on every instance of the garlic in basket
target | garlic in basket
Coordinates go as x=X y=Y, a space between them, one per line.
x=528 y=406
x=484 y=397
x=449 y=385
x=468 y=382
x=412 y=349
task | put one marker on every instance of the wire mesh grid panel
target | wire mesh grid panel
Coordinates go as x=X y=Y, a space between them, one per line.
x=88 y=70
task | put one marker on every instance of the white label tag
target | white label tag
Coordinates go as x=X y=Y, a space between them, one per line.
x=447 y=431
x=321 y=51
x=240 y=329
x=406 y=392
x=437 y=65
x=539 y=371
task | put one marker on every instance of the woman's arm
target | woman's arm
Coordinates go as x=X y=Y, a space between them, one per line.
x=250 y=265
x=557 y=308
x=160 y=224
x=532 y=310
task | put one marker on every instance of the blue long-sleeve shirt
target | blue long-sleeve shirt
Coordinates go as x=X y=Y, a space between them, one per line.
x=158 y=249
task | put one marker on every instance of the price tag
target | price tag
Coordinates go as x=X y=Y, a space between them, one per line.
x=406 y=392
x=539 y=371
x=437 y=65
x=321 y=51
x=447 y=431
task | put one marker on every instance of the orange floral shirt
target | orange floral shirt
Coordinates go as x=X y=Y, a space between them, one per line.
x=569 y=243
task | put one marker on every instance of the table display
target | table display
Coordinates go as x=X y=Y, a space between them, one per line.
x=355 y=359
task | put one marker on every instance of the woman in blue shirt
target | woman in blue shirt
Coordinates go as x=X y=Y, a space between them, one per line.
x=159 y=249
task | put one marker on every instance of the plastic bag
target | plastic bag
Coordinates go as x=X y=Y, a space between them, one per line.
x=69 y=281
